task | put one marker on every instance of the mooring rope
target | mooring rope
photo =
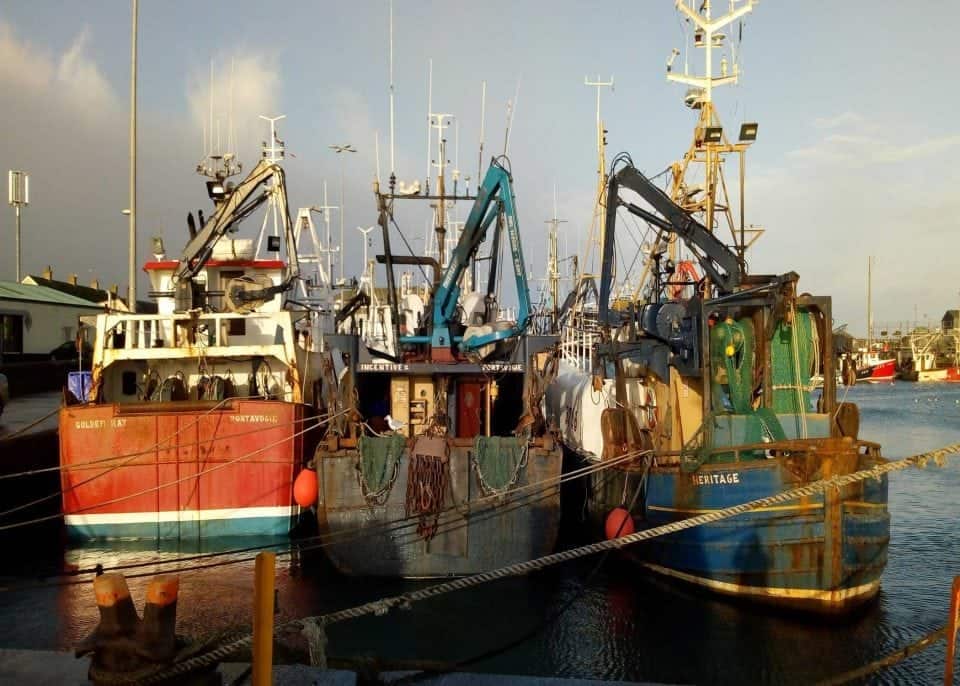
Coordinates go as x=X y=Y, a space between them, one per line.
x=405 y=600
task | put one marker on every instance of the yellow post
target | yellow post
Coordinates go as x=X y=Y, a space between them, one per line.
x=952 y=631
x=263 y=584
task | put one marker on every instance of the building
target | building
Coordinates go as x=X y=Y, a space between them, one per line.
x=36 y=319
x=108 y=299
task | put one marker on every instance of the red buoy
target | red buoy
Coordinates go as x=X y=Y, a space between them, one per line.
x=305 y=488
x=619 y=523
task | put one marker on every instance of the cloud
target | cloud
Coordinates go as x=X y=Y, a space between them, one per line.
x=838 y=120
x=851 y=193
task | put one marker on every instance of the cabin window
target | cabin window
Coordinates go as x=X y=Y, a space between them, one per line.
x=11 y=333
x=128 y=383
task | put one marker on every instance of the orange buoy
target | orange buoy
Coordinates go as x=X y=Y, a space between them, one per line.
x=305 y=488
x=619 y=523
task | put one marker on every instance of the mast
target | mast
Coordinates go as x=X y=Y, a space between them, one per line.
x=553 y=262
x=597 y=223
x=869 y=302
x=710 y=143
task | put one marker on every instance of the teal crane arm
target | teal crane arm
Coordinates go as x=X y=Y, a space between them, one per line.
x=494 y=196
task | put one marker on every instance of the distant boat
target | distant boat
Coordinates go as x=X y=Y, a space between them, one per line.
x=874 y=369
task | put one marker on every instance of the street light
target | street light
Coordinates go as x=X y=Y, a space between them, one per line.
x=339 y=149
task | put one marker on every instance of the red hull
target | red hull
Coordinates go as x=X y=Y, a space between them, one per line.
x=196 y=471
x=881 y=372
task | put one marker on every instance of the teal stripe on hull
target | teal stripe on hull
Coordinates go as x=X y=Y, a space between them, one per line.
x=211 y=528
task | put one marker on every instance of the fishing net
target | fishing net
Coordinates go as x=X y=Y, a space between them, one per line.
x=498 y=461
x=379 y=461
x=427 y=481
x=732 y=347
x=791 y=357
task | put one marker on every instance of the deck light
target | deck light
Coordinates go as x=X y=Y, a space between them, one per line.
x=216 y=190
x=748 y=131
x=713 y=134
x=273 y=243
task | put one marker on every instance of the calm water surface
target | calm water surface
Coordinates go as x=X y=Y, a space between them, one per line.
x=617 y=623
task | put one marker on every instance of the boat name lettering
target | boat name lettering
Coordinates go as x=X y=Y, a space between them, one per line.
x=715 y=478
x=502 y=367
x=388 y=367
x=99 y=423
x=254 y=419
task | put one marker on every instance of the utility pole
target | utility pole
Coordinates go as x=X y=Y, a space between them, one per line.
x=132 y=266
x=341 y=149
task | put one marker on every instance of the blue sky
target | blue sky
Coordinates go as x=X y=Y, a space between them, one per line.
x=853 y=99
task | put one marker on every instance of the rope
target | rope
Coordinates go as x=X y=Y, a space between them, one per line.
x=384 y=605
x=347 y=535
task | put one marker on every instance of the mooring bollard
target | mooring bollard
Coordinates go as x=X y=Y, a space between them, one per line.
x=263 y=596
x=952 y=632
x=157 y=638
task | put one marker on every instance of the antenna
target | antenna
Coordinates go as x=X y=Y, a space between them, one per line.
x=511 y=110
x=392 y=167
x=230 y=140
x=708 y=37
x=483 y=119
x=376 y=153
x=210 y=140
x=429 y=110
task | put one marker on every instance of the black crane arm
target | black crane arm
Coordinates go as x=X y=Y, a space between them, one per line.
x=718 y=262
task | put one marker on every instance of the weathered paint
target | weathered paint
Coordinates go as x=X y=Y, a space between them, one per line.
x=817 y=553
x=198 y=472
x=381 y=541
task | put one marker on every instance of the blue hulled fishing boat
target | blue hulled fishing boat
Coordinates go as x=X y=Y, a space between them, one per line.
x=698 y=375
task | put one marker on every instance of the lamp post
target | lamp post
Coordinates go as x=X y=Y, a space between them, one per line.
x=18 y=187
x=341 y=149
x=132 y=266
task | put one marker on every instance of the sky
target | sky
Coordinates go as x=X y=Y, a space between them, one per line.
x=854 y=155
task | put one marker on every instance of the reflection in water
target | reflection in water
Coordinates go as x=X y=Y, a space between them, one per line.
x=623 y=625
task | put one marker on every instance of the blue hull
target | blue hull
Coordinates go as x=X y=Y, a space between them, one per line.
x=822 y=553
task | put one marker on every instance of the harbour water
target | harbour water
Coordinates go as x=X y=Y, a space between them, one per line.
x=595 y=618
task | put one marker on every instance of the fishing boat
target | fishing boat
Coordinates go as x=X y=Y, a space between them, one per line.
x=443 y=463
x=924 y=363
x=198 y=416
x=703 y=398
x=873 y=367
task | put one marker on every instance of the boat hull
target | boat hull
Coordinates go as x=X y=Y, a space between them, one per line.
x=181 y=470
x=476 y=532
x=882 y=372
x=823 y=554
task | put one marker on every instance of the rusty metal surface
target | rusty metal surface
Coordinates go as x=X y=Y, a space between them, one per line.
x=833 y=543
x=473 y=536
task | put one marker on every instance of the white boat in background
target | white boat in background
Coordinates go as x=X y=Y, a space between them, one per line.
x=923 y=363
